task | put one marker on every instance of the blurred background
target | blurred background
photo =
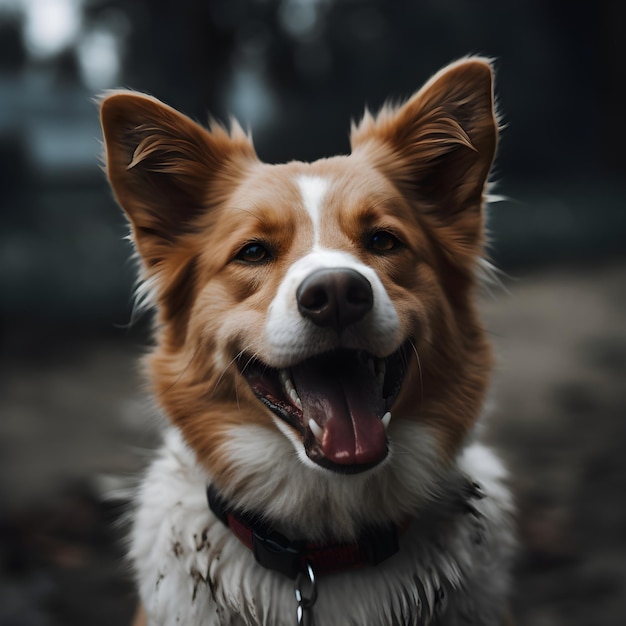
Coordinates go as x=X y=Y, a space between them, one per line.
x=74 y=420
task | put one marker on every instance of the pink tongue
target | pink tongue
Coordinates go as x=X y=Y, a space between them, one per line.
x=341 y=394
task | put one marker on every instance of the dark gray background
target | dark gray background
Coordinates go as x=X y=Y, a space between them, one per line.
x=73 y=418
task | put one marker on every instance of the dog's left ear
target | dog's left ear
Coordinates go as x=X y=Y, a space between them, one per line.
x=438 y=147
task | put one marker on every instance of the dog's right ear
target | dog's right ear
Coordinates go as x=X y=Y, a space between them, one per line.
x=166 y=170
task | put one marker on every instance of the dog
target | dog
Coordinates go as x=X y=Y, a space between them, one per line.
x=321 y=363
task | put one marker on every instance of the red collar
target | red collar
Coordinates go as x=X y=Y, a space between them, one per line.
x=277 y=552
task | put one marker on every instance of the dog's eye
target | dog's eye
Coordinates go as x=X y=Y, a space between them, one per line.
x=383 y=241
x=253 y=253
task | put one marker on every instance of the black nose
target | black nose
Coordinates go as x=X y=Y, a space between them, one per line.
x=335 y=297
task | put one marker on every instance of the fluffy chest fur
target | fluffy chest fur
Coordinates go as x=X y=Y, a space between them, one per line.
x=320 y=358
x=452 y=567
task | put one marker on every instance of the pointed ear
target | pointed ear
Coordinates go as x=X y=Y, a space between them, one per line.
x=166 y=171
x=438 y=147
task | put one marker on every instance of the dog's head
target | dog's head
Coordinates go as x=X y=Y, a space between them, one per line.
x=326 y=303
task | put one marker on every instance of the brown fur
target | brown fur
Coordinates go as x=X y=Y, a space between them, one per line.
x=195 y=197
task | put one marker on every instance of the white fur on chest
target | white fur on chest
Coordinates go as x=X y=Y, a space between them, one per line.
x=191 y=570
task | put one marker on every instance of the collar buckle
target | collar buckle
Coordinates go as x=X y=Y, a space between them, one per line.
x=274 y=551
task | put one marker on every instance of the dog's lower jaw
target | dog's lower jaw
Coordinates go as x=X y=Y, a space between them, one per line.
x=303 y=499
x=336 y=405
x=192 y=570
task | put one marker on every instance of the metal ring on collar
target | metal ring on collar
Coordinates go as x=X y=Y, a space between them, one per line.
x=304 y=601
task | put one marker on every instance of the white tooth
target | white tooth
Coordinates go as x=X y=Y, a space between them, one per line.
x=316 y=429
x=295 y=398
x=287 y=384
x=386 y=419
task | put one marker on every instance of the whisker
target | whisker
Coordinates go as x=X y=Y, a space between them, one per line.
x=419 y=367
x=223 y=373
x=250 y=360
x=184 y=371
x=253 y=356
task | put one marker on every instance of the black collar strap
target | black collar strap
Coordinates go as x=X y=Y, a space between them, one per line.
x=274 y=551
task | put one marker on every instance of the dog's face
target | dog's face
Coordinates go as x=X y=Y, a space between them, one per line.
x=324 y=302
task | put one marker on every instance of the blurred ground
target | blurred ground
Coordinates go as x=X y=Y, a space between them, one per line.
x=73 y=414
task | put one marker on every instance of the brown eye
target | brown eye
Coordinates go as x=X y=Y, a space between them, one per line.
x=383 y=241
x=253 y=253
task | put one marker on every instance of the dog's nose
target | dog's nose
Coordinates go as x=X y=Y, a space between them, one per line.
x=335 y=297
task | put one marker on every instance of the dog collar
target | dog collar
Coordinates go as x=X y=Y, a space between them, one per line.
x=274 y=551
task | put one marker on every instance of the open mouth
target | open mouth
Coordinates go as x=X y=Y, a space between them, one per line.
x=340 y=402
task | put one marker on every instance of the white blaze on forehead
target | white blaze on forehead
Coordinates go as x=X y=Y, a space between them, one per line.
x=313 y=189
